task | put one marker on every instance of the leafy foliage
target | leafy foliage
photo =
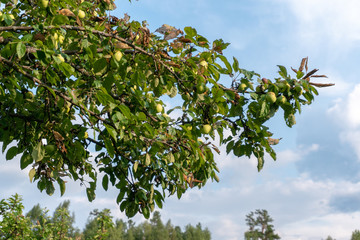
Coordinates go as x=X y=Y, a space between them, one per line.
x=355 y=235
x=260 y=226
x=75 y=80
x=36 y=224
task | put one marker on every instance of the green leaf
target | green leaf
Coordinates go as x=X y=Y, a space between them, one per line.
x=105 y=182
x=226 y=62
x=111 y=131
x=136 y=164
x=120 y=196
x=20 y=49
x=11 y=153
x=191 y=32
x=62 y=186
x=235 y=64
x=60 y=20
x=100 y=65
x=125 y=110
x=32 y=173
x=283 y=71
x=38 y=152
x=25 y=160
x=147 y=159
x=90 y=194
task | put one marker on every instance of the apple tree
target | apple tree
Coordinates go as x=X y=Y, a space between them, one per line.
x=82 y=97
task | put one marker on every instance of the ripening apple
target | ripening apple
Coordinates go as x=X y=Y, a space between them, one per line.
x=159 y=107
x=271 y=97
x=43 y=3
x=118 y=55
x=81 y=14
x=206 y=128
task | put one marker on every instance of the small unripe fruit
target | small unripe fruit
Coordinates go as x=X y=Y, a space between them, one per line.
x=271 y=97
x=118 y=55
x=56 y=36
x=281 y=99
x=81 y=14
x=242 y=87
x=159 y=108
x=201 y=88
x=12 y=16
x=204 y=64
x=29 y=95
x=264 y=80
x=44 y=3
x=189 y=127
x=206 y=128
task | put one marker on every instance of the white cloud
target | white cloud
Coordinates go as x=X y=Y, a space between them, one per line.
x=329 y=22
x=346 y=113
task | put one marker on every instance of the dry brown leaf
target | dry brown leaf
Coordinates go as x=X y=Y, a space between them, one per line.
x=310 y=73
x=122 y=45
x=67 y=12
x=322 y=84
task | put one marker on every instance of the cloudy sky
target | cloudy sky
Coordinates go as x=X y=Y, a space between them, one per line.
x=313 y=189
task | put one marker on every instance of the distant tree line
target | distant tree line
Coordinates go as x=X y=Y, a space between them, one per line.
x=38 y=224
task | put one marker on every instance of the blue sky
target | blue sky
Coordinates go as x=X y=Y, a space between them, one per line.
x=313 y=189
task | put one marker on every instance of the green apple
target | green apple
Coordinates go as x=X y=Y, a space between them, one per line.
x=206 y=128
x=29 y=95
x=271 y=97
x=159 y=107
x=12 y=16
x=204 y=64
x=201 y=88
x=189 y=127
x=118 y=55
x=242 y=87
x=43 y=3
x=281 y=99
x=81 y=14
x=56 y=36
